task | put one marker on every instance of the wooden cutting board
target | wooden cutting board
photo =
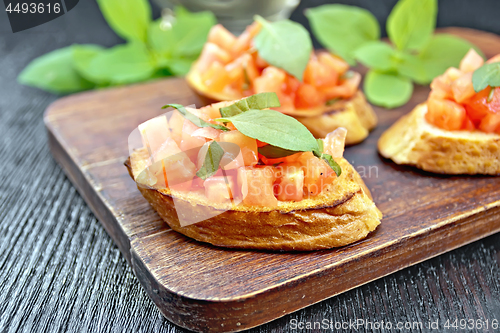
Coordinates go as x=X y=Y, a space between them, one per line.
x=205 y=288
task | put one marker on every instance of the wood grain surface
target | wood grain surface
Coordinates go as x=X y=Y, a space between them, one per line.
x=205 y=288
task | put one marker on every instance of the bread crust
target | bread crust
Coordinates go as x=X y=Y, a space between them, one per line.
x=412 y=140
x=354 y=114
x=342 y=214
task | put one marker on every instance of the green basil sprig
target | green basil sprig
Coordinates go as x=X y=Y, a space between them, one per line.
x=284 y=44
x=194 y=119
x=285 y=135
x=212 y=161
x=274 y=128
x=486 y=75
x=271 y=151
x=257 y=102
x=151 y=51
x=416 y=54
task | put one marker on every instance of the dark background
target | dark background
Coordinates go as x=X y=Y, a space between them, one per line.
x=61 y=272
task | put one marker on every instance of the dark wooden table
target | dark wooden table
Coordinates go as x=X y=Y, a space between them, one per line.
x=61 y=272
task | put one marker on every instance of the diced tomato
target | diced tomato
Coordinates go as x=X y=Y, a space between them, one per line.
x=259 y=62
x=346 y=89
x=271 y=80
x=452 y=74
x=154 y=132
x=441 y=88
x=273 y=161
x=462 y=88
x=490 y=123
x=290 y=183
x=172 y=167
x=445 y=114
x=190 y=143
x=247 y=145
x=468 y=125
x=290 y=85
x=471 y=61
x=308 y=96
x=222 y=37
x=256 y=186
x=478 y=106
x=494 y=59
x=334 y=62
x=320 y=75
x=176 y=123
x=179 y=171
x=216 y=77
x=219 y=189
x=243 y=42
x=211 y=53
x=318 y=173
x=334 y=142
x=207 y=132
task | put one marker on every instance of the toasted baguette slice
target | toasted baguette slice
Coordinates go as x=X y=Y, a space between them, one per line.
x=342 y=214
x=354 y=114
x=412 y=140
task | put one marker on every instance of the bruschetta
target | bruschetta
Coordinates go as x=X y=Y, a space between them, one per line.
x=207 y=175
x=230 y=68
x=456 y=131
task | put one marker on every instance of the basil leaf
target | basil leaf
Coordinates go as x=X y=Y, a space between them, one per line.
x=212 y=161
x=83 y=55
x=342 y=29
x=321 y=146
x=255 y=102
x=331 y=162
x=377 y=55
x=179 y=67
x=444 y=51
x=387 y=90
x=275 y=128
x=284 y=44
x=128 y=18
x=190 y=31
x=121 y=64
x=486 y=75
x=411 y=23
x=412 y=67
x=160 y=39
x=54 y=72
x=270 y=151
x=194 y=119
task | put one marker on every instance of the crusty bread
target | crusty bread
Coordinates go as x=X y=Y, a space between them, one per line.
x=342 y=214
x=412 y=140
x=354 y=114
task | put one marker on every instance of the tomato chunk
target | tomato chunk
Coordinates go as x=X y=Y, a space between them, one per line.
x=222 y=37
x=290 y=182
x=480 y=105
x=256 y=186
x=471 y=61
x=462 y=88
x=317 y=175
x=320 y=75
x=247 y=145
x=334 y=142
x=445 y=114
x=490 y=123
x=219 y=189
x=308 y=96
x=334 y=62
